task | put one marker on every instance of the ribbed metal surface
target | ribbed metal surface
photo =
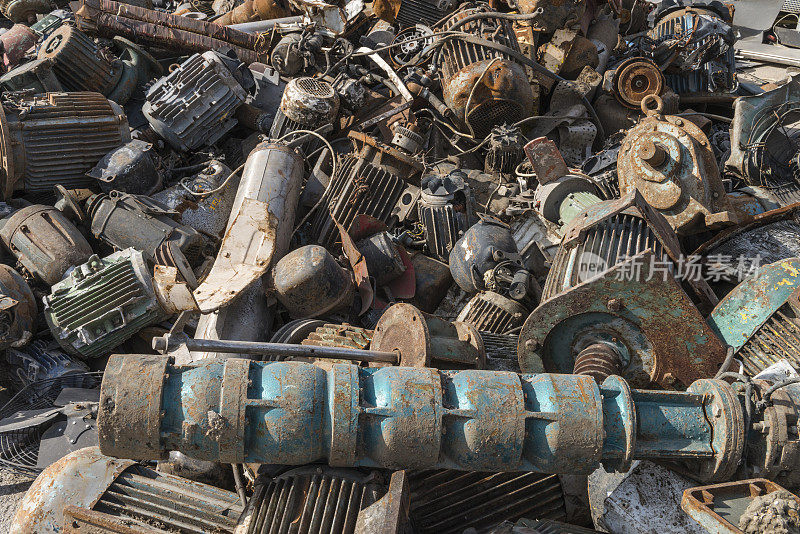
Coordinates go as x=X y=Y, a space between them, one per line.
x=500 y=346
x=193 y=106
x=599 y=361
x=108 y=295
x=777 y=339
x=490 y=312
x=283 y=125
x=340 y=335
x=78 y=62
x=605 y=245
x=458 y=54
x=145 y=498
x=413 y=12
x=61 y=136
x=325 y=502
x=358 y=188
x=451 y=501
x=442 y=228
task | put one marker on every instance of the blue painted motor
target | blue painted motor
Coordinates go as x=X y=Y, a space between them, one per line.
x=293 y=413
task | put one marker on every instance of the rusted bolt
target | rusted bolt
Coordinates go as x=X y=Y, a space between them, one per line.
x=653 y=153
x=531 y=344
x=679 y=122
x=614 y=305
x=669 y=378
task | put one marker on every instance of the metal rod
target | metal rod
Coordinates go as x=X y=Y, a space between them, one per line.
x=164 y=344
x=264 y=25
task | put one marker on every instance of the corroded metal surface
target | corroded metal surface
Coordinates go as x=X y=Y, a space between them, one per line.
x=412 y=418
x=669 y=160
x=634 y=79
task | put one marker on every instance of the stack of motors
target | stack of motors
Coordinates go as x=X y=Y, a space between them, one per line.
x=446 y=211
x=610 y=296
x=705 y=64
x=78 y=63
x=123 y=496
x=306 y=104
x=194 y=105
x=102 y=303
x=310 y=499
x=368 y=182
x=483 y=87
x=56 y=138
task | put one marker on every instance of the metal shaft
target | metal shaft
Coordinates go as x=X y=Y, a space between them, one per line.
x=165 y=344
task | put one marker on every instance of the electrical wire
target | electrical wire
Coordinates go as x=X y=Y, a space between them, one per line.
x=472 y=92
x=236 y=171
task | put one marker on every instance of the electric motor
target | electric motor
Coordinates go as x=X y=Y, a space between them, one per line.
x=193 y=106
x=24 y=10
x=41 y=360
x=705 y=64
x=114 y=214
x=368 y=182
x=445 y=210
x=86 y=488
x=78 y=63
x=44 y=241
x=102 y=303
x=482 y=86
x=505 y=151
x=306 y=104
x=55 y=138
x=413 y=12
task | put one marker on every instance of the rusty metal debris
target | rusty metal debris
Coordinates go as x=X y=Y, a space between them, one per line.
x=400 y=267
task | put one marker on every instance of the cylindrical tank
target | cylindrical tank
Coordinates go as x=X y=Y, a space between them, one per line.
x=55 y=138
x=78 y=62
x=44 y=241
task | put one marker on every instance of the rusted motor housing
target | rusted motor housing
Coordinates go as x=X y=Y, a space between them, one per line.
x=17 y=309
x=483 y=87
x=634 y=79
x=492 y=312
x=420 y=338
x=669 y=160
x=306 y=104
x=55 y=138
x=16 y=43
x=24 y=10
x=44 y=241
x=78 y=63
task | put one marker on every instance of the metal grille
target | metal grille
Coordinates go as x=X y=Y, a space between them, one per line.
x=500 y=346
x=358 y=188
x=605 y=245
x=146 y=498
x=777 y=339
x=791 y=6
x=314 y=87
x=485 y=116
x=413 y=12
x=311 y=501
x=450 y=501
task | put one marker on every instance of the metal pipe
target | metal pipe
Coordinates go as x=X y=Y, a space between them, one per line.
x=165 y=344
x=259 y=26
x=237 y=411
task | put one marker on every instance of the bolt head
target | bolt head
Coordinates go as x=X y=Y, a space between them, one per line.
x=614 y=305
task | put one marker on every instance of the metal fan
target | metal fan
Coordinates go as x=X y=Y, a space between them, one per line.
x=40 y=411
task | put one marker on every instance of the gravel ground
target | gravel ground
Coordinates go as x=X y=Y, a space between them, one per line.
x=12 y=488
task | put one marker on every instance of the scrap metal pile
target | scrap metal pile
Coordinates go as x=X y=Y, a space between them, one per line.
x=415 y=266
